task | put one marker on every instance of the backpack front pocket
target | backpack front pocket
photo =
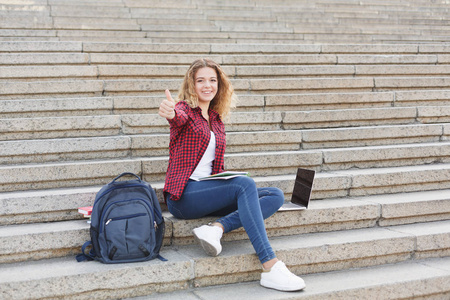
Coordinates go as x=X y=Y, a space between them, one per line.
x=127 y=228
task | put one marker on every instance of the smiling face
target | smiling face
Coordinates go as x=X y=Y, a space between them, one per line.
x=206 y=85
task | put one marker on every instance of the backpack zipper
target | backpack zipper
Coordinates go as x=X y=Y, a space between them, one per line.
x=107 y=207
x=124 y=217
x=126 y=186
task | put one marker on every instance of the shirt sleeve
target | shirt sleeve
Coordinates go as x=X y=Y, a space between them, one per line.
x=180 y=118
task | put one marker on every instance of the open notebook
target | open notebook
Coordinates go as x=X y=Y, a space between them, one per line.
x=302 y=190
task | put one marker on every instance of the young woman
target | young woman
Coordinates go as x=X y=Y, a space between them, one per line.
x=197 y=147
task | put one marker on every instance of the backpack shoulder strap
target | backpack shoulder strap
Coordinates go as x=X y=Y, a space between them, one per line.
x=83 y=256
x=161 y=258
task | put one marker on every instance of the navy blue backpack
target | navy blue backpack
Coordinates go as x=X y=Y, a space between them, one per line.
x=126 y=223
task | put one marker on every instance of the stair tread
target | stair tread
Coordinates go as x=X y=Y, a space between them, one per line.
x=330 y=215
x=405 y=279
x=356 y=90
x=333 y=246
x=244 y=247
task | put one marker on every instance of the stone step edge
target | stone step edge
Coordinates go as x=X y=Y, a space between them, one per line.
x=101 y=72
x=55 y=60
x=331 y=158
x=420 y=278
x=206 y=49
x=14 y=129
x=318 y=252
x=332 y=184
x=56 y=239
x=361 y=139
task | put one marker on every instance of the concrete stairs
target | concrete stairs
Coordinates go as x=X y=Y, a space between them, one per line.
x=358 y=91
x=229 y=21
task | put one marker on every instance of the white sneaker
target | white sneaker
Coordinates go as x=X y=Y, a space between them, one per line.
x=280 y=278
x=209 y=238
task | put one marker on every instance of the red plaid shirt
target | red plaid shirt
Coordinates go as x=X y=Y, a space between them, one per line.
x=189 y=138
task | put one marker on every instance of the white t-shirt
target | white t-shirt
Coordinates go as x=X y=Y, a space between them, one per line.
x=204 y=167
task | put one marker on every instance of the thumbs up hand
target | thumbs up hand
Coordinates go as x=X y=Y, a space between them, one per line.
x=167 y=107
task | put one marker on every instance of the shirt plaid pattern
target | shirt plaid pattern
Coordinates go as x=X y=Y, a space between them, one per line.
x=189 y=138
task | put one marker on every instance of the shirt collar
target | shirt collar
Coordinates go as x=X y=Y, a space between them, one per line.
x=212 y=113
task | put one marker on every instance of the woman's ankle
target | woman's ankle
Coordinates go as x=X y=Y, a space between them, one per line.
x=269 y=264
x=218 y=225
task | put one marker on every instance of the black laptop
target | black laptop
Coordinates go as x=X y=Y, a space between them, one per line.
x=302 y=190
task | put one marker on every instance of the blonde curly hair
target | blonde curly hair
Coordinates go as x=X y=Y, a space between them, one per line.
x=225 y=98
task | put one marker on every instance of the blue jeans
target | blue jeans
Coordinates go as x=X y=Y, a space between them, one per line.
x=240 y=203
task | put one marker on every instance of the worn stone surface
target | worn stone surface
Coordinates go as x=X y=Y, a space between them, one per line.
x=306 y=254
x=147 y=58
x=294 y=71
x=374 y=48
x=446 y=135
x=144 y=48
x=249 y=48
x=150 y=145
x=40 y=46
x=412 y=207
x=83 y=278
x=434 y=97
x=48 y=240
x=116 y=86
x=59 y=127
x=432 y=114
x=140 y=123
x=93 y=87
x=46 y=201
x=32 y=108
x=321 y=84
x=142 y=71
x=35 y=239
x=57 y=175
x=40 y=151
x=396 y=180
x=250 y=103
x=401 y=70
x=384 y=83
x=348 y=117
x=432 y=240
x=385 y=156
x=32 y=72
x=258 y=141
x=321 y=101
x=401 y=280
x=443 y=58
x=387 y=59
x=71 y=20
x=370 y=135
x=266 y=164
x=434 y=48
x=251 y=121
x=43 y=58
x=279 y=59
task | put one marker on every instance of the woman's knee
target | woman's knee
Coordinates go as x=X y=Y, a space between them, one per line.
x=245 y=182
x=277 y=196
x=174 y=211
x=271 y=200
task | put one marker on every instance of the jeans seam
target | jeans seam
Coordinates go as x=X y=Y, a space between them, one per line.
x=258 y=235
x=172 y=208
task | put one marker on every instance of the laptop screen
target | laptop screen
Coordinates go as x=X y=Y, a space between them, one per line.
x=303 y=187
x=301 y=193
